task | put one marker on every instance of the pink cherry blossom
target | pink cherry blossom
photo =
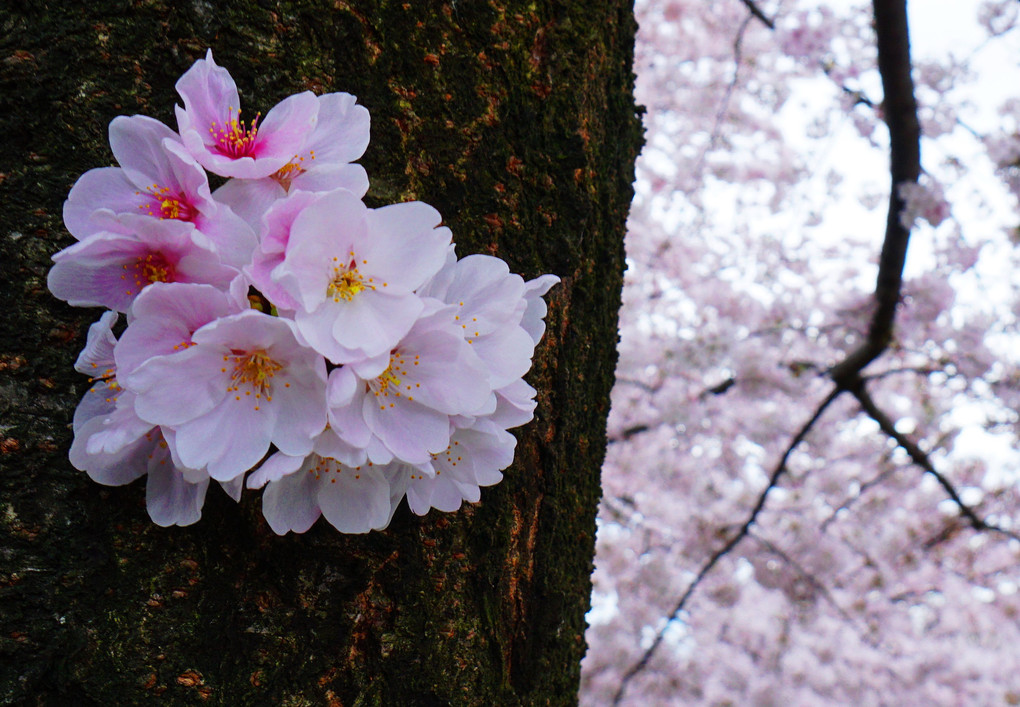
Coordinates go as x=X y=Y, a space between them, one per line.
x=406 y=397
x=213 y=131
x=490 y=304
x=515 y=405
x=353 y=271
x=166 y=315
x=533 y=319
x=110 y=268
x=115 y=447
x=275 y=235
x=924 y=200
x=212 y=379
x=244 y=383
x=170 y=498
x=323 y=164
x=105 y=426
x=354 y=498
x=474 y=458
x=156 y=177
x=487 y=295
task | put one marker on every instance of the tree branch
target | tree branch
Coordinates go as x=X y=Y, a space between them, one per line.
x=900 y=111
x=850 y=500
x=919 y=457
x=777 y=473
x=724 y=104
x=628 y=432
x=718 y=388
x=756 y=11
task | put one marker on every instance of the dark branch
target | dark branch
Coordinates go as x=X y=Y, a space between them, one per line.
x=860 y=99
x=777 y=473
x=900 y=111
x=756 y=11
x=628 y=432
x=919 y=457
x=719 y=388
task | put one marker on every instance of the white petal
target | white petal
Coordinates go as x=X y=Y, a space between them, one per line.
x=409 y=430
x=289 y=504
x=273 y=469
x=228 y=441
x=355 y=501
x=169 y=497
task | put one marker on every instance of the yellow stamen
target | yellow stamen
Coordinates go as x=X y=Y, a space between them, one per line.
x=235 y=139
x=347 y=282
x=256 y=371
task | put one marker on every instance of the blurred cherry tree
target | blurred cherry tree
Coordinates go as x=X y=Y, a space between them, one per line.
x=810 y=495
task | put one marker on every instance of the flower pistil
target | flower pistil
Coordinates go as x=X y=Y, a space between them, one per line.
x=390 y=381
x=325 y=466
x=291 y=171
x=106 y=383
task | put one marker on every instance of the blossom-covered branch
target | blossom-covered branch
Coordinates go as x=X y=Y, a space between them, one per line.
x=921 y=459
x=777 y=473
x=900 y=111
x=752 y=264
x=901 y=116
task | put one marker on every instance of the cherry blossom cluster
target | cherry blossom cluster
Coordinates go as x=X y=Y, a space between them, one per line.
x=923 y=199
x=278 y=325
x=761 y=202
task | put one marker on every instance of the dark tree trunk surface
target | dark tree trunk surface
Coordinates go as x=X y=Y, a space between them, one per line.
x=516 y=120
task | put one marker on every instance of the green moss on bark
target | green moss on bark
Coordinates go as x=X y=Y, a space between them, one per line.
x=514 y=119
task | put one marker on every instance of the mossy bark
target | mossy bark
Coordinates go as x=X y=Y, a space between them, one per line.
x=516 y=120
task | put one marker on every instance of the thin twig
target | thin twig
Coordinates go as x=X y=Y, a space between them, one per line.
x=917 y=370
x=628 y=432
x=777 y=473
x=724 y=104
x=756 y=11
x=850 y=500
x=919 y=457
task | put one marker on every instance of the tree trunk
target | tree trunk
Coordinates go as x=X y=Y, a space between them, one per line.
x=516 y=120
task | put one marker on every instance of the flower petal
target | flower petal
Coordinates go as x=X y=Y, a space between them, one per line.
x=274 y=468
x=354 y=501
x=289 y=503
x=169 y=498
x=137 y=145
x=106 y=188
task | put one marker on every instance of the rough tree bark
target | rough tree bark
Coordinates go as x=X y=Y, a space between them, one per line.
x=516 y=120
